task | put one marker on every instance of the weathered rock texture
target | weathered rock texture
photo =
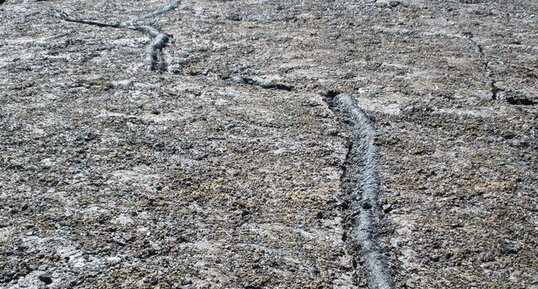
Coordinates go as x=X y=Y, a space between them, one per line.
x=224 y=167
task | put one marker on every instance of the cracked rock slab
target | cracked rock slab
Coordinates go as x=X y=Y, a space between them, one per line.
x=112 y=175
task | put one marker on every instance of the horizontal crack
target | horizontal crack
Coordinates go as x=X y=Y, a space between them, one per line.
x=257 y=81
x=66 y=18
x=165 y=9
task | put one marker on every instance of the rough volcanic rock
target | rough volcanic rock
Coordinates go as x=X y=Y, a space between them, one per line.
x=222 y=168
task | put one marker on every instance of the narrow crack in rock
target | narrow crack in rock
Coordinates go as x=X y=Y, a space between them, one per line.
x=154 y=52
x=347 y=184
x=163 y=10
x=267 y=83
x=494 y=89
x=361 y=178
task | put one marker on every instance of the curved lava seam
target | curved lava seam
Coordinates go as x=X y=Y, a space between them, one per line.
x=154 y=59
x=365 y=193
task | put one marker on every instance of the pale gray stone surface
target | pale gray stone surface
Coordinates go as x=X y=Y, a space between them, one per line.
x=223 y=167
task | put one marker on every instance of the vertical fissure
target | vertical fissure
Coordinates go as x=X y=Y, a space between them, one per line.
x=494 y=89
x=360 y=186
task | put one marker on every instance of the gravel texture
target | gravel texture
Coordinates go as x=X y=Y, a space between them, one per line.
x=204 y=154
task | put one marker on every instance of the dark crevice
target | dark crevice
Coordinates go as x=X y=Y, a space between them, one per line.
x=66 y=18
x=256 y=81
x=329 y=96
x=520 y=101
x=347 y=182
x=494 y=90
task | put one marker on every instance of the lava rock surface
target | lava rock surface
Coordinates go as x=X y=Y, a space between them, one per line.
x=223 y=167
